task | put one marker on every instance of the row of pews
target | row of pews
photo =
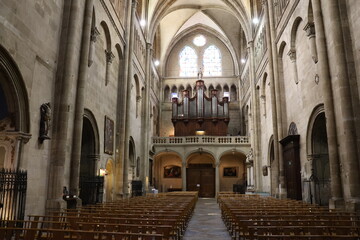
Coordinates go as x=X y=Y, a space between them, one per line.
x=151 y=217
x=259 y=217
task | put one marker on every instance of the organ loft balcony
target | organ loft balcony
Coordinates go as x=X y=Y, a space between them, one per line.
x=200 y=124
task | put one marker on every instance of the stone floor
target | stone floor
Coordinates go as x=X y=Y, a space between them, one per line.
x=206 y=223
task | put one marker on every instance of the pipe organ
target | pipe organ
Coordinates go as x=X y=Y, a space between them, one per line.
x=200 y=115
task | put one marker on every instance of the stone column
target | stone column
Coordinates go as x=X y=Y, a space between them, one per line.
x=310 y=32
x=217 y=177
x=125 y=141
x=336 y=200
x=145 y=119
x=80 y=97
x=61 y=152
x=344 y=116
x=183 y=174
x=255 y=136
x=276 y=94
x=292 y=55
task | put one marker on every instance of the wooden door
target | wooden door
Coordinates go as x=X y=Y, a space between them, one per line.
x=201 y=178
x=291 y=157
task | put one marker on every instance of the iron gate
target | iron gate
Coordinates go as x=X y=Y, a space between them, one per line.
x=91 y=189
x=13 y=185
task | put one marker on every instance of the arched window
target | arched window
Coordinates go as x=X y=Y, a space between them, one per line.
x=188 y=62
x=212 y=61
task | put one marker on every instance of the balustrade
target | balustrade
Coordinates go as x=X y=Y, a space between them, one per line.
x=201 y=140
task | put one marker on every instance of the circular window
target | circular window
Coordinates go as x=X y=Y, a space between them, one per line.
x=199 y=40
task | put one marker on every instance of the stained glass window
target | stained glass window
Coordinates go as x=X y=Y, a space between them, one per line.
x=199 y=40
x=188 y=62
x=212 y=61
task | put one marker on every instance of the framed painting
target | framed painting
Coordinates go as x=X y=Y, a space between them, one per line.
x=109 y=136
x=230 y=172
x=172 y=171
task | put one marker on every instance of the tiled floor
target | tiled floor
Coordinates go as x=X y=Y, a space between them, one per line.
x=206 y=223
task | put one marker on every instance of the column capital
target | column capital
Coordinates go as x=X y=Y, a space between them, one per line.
x=292 y=54
x=94 y=34
x=134 y=4
x=310 y=29
x=109 y=56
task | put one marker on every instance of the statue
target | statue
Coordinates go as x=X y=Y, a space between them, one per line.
x=45 y=118
x=200 y=74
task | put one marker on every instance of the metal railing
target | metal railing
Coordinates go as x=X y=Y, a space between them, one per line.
x=13 y=184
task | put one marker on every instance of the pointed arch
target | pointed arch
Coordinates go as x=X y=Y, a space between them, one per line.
x=188 y=62
x=212 y=61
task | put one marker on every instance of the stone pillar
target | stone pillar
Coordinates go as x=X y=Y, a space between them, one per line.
x=276 y=94
x=292 y=55
x=336 y=200
x=310 y=32
x=80 y=97
x=128 y=77
x=93 y=37
x=217 y=177
x=344 y=116
x=145 y=120
x=183 y=174
x=255 y=135
x=61 y=152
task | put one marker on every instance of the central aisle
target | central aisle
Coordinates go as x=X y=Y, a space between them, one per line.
x=206 y=223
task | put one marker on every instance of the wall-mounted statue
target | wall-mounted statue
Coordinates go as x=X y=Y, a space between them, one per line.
x=45 y=118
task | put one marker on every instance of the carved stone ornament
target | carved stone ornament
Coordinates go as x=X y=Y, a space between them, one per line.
x=292 y=55
x=94 y=34
x=45 y=119
x=109 y=56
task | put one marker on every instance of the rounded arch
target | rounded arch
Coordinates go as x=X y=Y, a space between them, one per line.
x=166 y=151
x=310 y=127
x=232 y=171
x=93 y=123
x=107 y=35
x=200 y=151
x=132 y=152
x=233 y=152
x=15 y=93
x=294 y=31
x=167 y=93
x=281 y=49
x=233 y=93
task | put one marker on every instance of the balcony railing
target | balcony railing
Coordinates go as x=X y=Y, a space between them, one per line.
x=226 y=140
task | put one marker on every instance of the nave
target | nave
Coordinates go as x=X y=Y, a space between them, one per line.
x=182 y=215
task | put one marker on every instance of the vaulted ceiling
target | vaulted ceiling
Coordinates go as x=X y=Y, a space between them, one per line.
x=227 y=18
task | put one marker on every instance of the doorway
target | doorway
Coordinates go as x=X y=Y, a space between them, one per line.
x=320 y=155
x=91 y=186
x=201 y=178
x=291 y=157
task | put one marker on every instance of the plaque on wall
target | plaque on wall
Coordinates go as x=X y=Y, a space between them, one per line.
x=230 y=172
x=109 y=136
x=172 y=171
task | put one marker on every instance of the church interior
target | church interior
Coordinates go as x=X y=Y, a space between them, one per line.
x=178 y=101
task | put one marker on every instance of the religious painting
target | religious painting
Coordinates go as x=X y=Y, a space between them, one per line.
x=230 y=172
x=109 y=136
x=172 y=171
